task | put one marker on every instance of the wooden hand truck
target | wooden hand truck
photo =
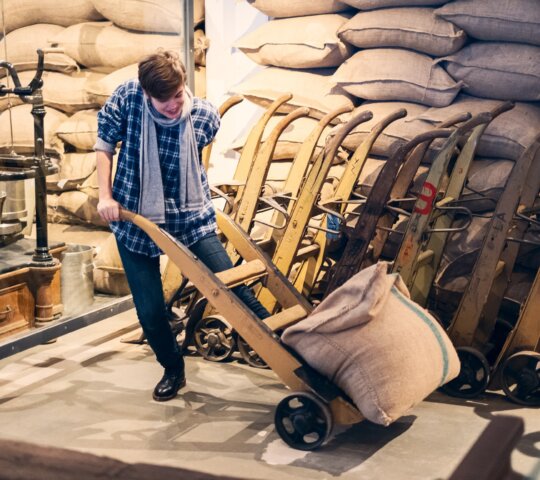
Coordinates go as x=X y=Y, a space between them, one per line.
x=303 y=419
x=360 y=235
x=294 y=230
x=470 y=326
x=287 y=250
x=399 y=191
x=424 y=239
x=295 y=178
x=312 y=265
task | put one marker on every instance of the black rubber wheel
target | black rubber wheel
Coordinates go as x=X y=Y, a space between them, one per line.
x=303 y=421
x=249 y=355
x=473 y=376
x=520 y=378
x=213 y=338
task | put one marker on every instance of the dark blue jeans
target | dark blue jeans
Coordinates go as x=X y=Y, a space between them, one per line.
x=144 y=278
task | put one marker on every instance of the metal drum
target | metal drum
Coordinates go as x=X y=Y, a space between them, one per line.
x=77 y=278
x=15 y=203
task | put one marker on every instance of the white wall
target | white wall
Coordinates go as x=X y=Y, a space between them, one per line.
x=226 y=21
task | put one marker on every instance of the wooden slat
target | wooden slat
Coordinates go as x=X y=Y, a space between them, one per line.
x=286 y=318
x=246 y=272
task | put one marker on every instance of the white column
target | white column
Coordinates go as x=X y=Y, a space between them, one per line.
x=226 y=21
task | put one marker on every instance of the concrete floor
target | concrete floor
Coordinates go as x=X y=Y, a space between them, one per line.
x=89 y=391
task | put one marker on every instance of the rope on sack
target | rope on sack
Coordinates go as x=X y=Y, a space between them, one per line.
x=7 y=76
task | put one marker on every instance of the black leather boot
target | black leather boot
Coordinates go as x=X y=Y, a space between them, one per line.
x=168 y=386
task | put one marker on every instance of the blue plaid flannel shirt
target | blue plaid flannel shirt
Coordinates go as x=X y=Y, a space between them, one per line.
x=120 y=121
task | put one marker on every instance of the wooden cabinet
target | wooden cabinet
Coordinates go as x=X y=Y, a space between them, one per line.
x=16 y=308
x=30 y=295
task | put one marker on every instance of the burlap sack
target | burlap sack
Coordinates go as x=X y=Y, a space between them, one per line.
x=109 y=276
x=466 y=241
x=396 y=74
x=506 y=71
x=286 y=8
x=511 y=20
x=80 y=130
x=100 y=90
x=104 y=45
x=299 y=42
x=61 y=91
x=383 y=350
x=159 y=16
x=55 y=214
x=73 y=170
x=505 y=137
x=485 y=183
x=310 y=88
x=8 y=101
x=371 y=172
x=21 y=46
x=414 y=28
x=374 y=4
x=21 y=13
x=90 y=186
x=73 y=207
x=395 y=134
x=21 y=123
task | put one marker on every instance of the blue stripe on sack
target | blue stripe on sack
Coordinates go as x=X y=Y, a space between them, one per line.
x=408 y=303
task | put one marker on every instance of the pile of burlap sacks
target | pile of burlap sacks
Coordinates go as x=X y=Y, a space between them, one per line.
x=435 y=58
x=102 y=40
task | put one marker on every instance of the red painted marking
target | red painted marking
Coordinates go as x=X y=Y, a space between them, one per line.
x=426 y=198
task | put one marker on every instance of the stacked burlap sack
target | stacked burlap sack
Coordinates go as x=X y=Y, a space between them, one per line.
x=102 y=41
x=435 y=58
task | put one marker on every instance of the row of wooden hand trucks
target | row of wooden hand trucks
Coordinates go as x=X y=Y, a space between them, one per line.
x=287 y=263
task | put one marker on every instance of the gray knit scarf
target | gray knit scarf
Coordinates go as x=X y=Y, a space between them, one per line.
x=152 y=200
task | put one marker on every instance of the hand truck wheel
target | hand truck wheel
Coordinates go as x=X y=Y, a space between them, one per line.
x=473 y=376
x=248 y=354
x=520 y=378
x=303 y=421
x=213 y=338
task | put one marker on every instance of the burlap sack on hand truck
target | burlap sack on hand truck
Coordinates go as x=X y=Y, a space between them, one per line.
x=382 y=349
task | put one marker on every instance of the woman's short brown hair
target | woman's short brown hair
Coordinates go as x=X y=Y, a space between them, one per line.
x=161 y=74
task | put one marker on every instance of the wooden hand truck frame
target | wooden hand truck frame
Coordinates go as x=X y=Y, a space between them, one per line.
x=430 y=224
x=470 y=326
x=360 y=235
x=308 y=273
x=306 y=426
x=399 y=191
